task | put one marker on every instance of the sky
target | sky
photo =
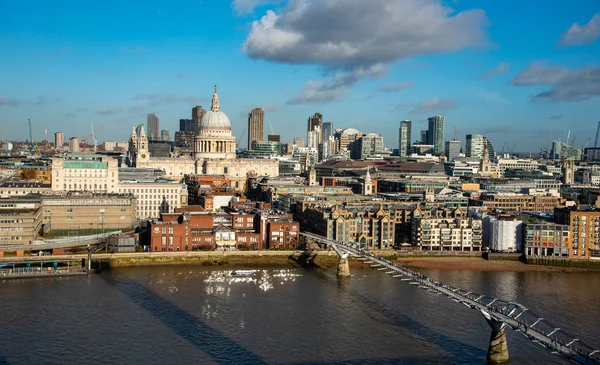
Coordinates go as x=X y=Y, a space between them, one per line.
x=523 y=73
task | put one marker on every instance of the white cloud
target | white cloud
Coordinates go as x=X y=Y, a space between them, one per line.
x=351 y=33
x=7 y=101
x=167 y=99
x=348 y=35
x=500 y=69
x=433 y=105
x=395 y=86
x=565 y=84
x=109 y=111
x=582 y=34
x=245 y=7
x=334 y=89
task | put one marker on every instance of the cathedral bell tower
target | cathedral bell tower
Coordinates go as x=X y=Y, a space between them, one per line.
x=142 y=156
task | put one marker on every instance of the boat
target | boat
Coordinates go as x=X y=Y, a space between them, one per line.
x=242 y=273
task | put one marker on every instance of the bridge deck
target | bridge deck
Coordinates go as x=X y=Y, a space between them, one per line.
x=511 y=314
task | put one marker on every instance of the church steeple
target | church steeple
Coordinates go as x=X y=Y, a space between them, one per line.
x=215 y=101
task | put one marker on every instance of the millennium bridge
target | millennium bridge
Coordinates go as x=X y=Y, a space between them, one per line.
x=499 y=314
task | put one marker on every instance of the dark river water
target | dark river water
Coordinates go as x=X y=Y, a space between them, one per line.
x=195 y=315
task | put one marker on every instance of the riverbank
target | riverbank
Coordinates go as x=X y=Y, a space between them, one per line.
x=323 y=260
x=479 y=264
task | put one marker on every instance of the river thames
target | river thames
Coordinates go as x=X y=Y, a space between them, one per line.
x=198 y=315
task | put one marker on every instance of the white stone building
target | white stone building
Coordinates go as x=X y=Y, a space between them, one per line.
x=153 y=198
x=81 y=172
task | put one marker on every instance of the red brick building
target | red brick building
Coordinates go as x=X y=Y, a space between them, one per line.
x=198 y=230
x=282 y=234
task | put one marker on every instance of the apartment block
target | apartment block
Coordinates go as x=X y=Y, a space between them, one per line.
x=584 y=228
x=447 y=234
x=547 y=239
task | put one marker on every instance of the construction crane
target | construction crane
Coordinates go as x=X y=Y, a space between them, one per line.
x=455 y=133
x=271 y=126
x=242 y=137
x=37 y=148
x=4 y=135
x=83 y=141
x=597 y=135
x=31 y=144
x=503 y=146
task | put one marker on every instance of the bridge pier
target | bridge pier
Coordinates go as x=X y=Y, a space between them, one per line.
x=343 y=269
x=498 y=347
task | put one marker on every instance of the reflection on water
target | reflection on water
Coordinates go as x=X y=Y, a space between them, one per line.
x=197 y=315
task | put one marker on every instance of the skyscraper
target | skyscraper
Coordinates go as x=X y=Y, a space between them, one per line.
x=165 y=136
x=299 y=141
x=59 y=139
x=187 y=125
x=404 y=138
x=327 y=130
x=197 y=114
x=256 y=126
x=452 y=149
x=424 y=138
x=153 y=127
x=435 y=133
x=476 y=144
x=313 y=122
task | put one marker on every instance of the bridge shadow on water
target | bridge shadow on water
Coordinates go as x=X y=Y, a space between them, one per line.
x=453 y=351
x=458 y=350
x=214 y=344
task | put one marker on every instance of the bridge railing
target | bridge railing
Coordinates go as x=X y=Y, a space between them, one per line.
x=529 y=320
x=74 y=239
x=525 y=320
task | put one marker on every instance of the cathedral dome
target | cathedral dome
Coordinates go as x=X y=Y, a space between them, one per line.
x=215 y=121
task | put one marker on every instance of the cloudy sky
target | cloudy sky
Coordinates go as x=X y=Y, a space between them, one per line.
x=515 y=71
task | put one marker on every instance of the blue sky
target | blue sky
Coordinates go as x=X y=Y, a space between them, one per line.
x=520 y=72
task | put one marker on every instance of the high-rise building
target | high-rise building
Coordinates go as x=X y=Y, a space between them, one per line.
x=59 y=139
x=315 y=121
x=73 y=144
x=435 y=133
x=256 y=126
x=164 y=135
x=476 y=145
x=404 y=138
x=197 y=114
x=314 y=137
x=562 y=150
x=299 y=141
x=369 y=144
x=274 y=138
x=187 y=125
x=452 y=150
x=153 y=127
x=424 y=138
x=327 y=130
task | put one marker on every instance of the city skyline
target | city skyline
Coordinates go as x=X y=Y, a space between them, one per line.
x=513 y=74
